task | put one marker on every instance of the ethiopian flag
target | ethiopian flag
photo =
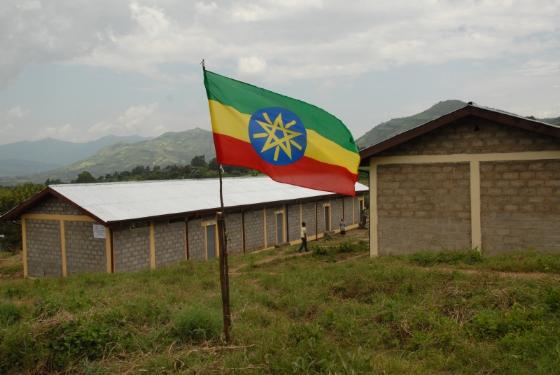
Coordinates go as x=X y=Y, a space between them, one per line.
x=289 y=140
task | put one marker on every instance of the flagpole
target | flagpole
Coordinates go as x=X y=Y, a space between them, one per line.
x=222 y=244
x=224 y=272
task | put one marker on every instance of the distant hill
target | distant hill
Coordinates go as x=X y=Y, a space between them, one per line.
x=24 y=158
x=390 y=128
x=553 y=121
x=167 y=149
x=17 y=167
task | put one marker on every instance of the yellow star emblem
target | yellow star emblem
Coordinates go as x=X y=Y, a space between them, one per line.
x=285 y=142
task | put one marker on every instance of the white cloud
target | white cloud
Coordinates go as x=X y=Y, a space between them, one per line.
x=135 y=120
x=541 y=68
x=16 y=112
x=65 y=131
x=296 y=39
x=251 y=65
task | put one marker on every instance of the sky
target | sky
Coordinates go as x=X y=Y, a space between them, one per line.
x=78 y=70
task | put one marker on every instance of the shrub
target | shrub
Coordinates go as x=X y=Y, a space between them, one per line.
x=9 y=314
x=432 y=258
x=319 y=251
x=71 y=341
x=197 y=324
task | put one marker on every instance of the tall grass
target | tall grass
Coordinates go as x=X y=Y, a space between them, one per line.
x=301 y=315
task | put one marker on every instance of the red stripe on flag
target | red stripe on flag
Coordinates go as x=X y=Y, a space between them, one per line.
x=305 y=172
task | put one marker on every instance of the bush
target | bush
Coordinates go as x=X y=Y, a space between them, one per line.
x=432 y=258
x=197 y=324
x=72 y=341
x=9 y=314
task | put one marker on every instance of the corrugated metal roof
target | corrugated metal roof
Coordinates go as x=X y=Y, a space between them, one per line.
x=119 y=201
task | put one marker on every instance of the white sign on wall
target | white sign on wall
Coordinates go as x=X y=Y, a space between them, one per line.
x=98 y=231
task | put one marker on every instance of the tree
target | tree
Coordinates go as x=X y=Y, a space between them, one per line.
x=213 y=164
x=199 y=161
x=84 y=178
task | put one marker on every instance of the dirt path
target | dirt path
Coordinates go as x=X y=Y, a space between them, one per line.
x=356 y=234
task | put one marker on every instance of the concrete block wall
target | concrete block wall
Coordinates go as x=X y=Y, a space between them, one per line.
x=309 y=218
x=321 y=217
x=294 y=224
x=520 y=205
x=337 y=212
x=196 y=232
x=423 y=207
x=234 y=230
x=169 y=239
x=254 y=230
x=474 y=136
x=83 y=252
x=131 y=247
x=44 y=257
x=348 y=211
x=55 y=206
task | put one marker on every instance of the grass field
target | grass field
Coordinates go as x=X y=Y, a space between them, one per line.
x=333 y=311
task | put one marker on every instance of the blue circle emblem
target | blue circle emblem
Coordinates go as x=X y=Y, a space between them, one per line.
x=277 y=135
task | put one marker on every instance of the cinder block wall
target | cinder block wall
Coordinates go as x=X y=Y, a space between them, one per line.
x=474 y=136
x=196 y=231
x=294 y=224
x=309 y=218
x=55 y=206
x=427 y=206
x=131 y=247
x=520 y=205
x=423 y=207
x=254 y=230
x=44 y=256
x=348 y=211
x=169 y=239
x=234 y=232
x=321 y=217
x=337 y=212
x=83 y=252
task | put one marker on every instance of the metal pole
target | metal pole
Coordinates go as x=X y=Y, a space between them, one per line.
x=224 y=272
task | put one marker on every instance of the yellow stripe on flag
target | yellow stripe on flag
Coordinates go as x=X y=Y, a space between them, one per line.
x=228 y=121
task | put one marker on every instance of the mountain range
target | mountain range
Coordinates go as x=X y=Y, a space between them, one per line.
x=167 y=149
x=29 y=157
x=53 y=159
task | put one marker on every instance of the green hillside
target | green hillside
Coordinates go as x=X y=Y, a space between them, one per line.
x=390 y=128
x=167 y=149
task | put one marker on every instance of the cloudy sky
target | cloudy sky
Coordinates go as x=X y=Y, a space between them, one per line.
x=78 y=70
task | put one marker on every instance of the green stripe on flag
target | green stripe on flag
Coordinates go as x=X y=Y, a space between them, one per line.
x=247 y=98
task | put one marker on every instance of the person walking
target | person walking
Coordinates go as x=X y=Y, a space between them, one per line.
x=342 y=226
x=303 y=232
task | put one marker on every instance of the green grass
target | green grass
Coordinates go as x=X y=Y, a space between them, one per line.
x=329 y=312
x=522 y=261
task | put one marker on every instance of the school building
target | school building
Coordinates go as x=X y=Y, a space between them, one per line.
x=126 y=226
x=476 y=178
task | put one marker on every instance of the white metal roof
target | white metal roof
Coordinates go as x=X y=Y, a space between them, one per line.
x=117 y=201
